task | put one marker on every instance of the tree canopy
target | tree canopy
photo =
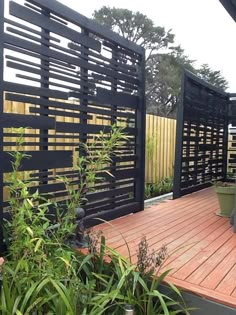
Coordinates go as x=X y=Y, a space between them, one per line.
x=214 y=77
x=135 y=27
x=164 y=59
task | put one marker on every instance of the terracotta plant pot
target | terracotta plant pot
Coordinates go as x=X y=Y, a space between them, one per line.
x=226 y=197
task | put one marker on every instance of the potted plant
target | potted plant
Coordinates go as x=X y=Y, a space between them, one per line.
x=226 y=196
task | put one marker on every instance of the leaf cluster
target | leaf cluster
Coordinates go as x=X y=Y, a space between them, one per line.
x=42 y=275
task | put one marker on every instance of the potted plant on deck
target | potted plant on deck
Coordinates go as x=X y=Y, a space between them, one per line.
x=226 y=196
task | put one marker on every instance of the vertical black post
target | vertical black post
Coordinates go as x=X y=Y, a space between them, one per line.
x=44 y=84
x=114 y=60
x=1 y=112
x=179 y=142
x=84 y=100
x=84 y=86
x=210 y=167
x=225 y=139
x=205 y=134
x=140 y=125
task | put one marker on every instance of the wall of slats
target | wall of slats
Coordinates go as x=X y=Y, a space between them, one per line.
x=160 y=142
x=202 y=136
x=68 y=79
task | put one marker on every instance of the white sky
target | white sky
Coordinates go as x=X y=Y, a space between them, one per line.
x=203 y=27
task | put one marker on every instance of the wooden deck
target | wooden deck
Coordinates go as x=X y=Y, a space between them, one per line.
x=201 y=245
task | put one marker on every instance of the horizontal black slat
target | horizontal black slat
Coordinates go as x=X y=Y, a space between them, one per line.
x=113 y=184
x=110 y=205
x=112 y=62
x=36 y=122
x=37 y=39
x=42 y=72
x=191 y=158
x=123 y=174
x=56 y=65
x=45 y=102
x=192 y=189
x=52 y=26
x=91 y=129
x=99 y=60
x=56 y=18
x=58 y=113
x=41 y=173
x=117 y=98
x=107 y=215
x=102 y=78
x=109 y=193
x=32 y=90
x=26 y=28
x=208 y=147
x=42 y=50
x=67 y=105
x=53 y=62
x=31 y=6
x=33 y=135
x=47 y=188
x=120 y=158
x=38 y=160
x=77 y=128
x=72 y=16
x=49 y=144
x=94 y=206
x=52 y=84
x=216 y=161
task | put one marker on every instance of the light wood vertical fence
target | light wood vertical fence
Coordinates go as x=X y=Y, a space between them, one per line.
x=160 y=148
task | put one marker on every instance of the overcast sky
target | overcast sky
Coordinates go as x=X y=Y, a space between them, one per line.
x=202 y=27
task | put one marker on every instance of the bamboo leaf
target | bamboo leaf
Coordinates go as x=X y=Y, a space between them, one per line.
x=39 y=242
x=30 y=231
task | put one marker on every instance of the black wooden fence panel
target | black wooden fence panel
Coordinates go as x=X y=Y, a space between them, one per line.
x=68 y=68
x=202 y=136
x=232 y=137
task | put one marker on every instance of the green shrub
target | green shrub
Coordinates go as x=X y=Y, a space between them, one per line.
x=119 y=282
x=42 y=275
x=159 y=188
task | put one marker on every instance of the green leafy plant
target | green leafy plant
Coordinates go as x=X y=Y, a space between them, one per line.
x=120 y=282
x=148 y=191
x=42 y=275
x=90 y=161
x=159 y=188
x=38 y=261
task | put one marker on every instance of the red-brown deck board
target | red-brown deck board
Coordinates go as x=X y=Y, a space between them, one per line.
x=201 y=245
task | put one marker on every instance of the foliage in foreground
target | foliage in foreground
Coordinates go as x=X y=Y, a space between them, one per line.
x=101 y=282
x=42 y=275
